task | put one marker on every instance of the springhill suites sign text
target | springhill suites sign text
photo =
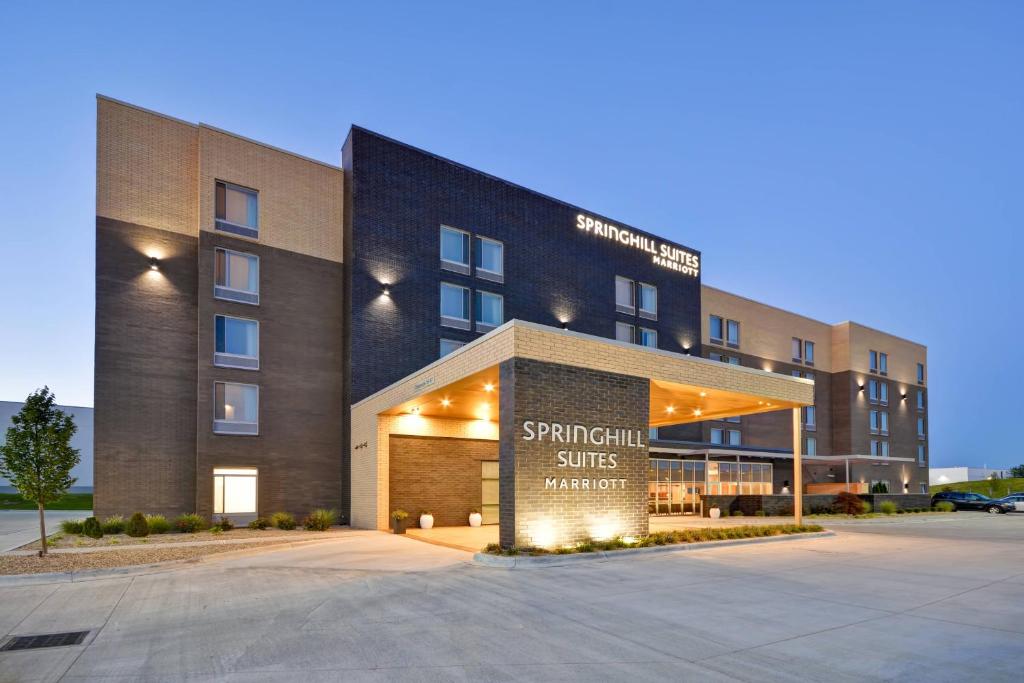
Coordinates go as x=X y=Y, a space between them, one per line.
x=664 y=255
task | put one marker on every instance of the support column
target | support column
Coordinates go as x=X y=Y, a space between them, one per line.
x=798 y=471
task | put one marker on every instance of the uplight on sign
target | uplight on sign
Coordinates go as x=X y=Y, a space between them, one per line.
x=664 y=255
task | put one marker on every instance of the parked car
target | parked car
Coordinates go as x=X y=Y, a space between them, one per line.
x=1015 y=499
x=973 y=501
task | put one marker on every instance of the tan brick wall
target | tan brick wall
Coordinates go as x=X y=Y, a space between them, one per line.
x=300 y=201
x=853 y=342
x=146 y=168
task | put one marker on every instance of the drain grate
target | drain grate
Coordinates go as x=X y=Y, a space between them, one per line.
x=45 y=640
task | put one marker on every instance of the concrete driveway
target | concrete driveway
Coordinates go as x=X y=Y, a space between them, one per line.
x=18 y=527
x=940 y=600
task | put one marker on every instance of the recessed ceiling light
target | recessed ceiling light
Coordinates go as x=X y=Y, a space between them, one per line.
x=703 y=394
x=445 y=402
x=488 y=387
x=696 y=412
x=670 y=409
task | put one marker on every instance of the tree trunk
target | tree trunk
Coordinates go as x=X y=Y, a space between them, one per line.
x=42 y=530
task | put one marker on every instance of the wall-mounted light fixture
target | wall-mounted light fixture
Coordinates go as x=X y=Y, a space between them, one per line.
x=860 y=387
x=686 y=349
x=903 y=396
x=385 y=289
x=565 y=324
x=154 y=263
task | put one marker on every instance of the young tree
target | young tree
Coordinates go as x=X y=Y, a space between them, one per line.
x=37 y=456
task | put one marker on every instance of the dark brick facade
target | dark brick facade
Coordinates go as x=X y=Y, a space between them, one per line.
x=145 y=377
x=438 y=475
x=532 y=513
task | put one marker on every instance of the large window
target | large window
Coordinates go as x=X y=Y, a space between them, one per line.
x=648 y=337
x=236 y=408
x=490 y=259
x=716 y=329
x=236 y=276
x=237 y=343
x=625 y=295
x=237 y=210
x=732 y=333
x=454 y=306
x=648 y=301
x=455 y=249
x=449 y=345
x=879 y=486
x=798 y=352
x=489 y=311
x=732 y=478
x=734 y=437
x=873 y=390
x=880 y=448
x=234 y=490
x=675 y=487
x=809 y=352
x=717 y=436
x=624 y=332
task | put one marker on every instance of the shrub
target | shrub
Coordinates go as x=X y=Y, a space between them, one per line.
x=866 y=508
x=738 y=513
x=114 y=525
x=725 y=512
x=945 y=506
x=847 y=503
x=158 y=524
x=759 y=513
x=190 y=523
x=259 y=523
x=215 y=529
x=887 y=507
x=137 y=526
x=283 y=520
x=91 y=528
x=224 y=524
x=319 y=520
x=71 y=526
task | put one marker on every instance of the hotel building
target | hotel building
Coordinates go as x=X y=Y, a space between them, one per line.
x=401 y=331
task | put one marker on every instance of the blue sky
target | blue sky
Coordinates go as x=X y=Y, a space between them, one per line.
x=843 y=160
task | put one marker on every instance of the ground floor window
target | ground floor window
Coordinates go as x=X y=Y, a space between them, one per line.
x=489 y=493
x=675 y=487
x=880 y=486
x=739 y=478
x=234 y=490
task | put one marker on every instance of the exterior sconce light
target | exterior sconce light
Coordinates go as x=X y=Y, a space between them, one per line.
x=154 y=263
x=565 y=324
x=686 y=350
x=903 y=397
x=860 y=387
x=385 y=290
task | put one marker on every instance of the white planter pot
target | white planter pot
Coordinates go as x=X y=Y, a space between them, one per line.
x=426 y=521
x=715 y=513
x=475 y=519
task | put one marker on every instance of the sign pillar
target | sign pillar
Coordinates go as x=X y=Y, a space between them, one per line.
x=798 y=471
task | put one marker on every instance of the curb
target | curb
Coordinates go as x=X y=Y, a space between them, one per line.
x=527 y=562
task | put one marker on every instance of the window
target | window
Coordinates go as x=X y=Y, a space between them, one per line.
x=920 y=400
x=921 y=454
x=234 y=490
x=920 y=373
x=732 y=360
x=798 y=350
x=810 y=415
x=236 y=276
x=624 y=332
x=490 y=259
x=920 y=427
x=811 y=447
x=454 y=306
x=883 y=422
x=883 y=393
x=809 y=352
x=237 y=343
x=648 y=337
x=455 y=250
x=489 y=493
x=489 y=311
x=873 y=361
x=732 y=334
x=924 y=487
x=717 y=435
x=449 y=345
x=648 y=301
x=716 y=329
x=652 y=434
x=873 y=390
x=237 y=210
x=883 y=363
x=625 y=295
x=879 y=486
x=880 y=448
x=734 y=437
x=235 y=408
x=731 y=478
x=797 y=373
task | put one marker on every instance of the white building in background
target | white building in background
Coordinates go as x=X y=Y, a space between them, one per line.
x=82 y=440
x=952 y=475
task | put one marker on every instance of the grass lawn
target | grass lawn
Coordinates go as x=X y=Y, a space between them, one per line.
x=994 y=488
x=72 y=501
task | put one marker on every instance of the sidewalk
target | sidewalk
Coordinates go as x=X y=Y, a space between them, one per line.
x=294 y=538
x=18 y=527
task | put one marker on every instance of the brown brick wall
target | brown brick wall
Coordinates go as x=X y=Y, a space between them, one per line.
x=439 y=475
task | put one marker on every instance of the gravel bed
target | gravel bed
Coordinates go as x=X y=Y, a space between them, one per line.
x=76 y=541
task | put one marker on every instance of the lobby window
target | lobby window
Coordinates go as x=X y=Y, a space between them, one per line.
x=490 y=311
x=490 y=259
x=236 y=276
x=236 y=408
x=449 y=345
x=879 y=486
x=920 y=373
x=625 y=295
x=237 y=343
x=732 y=334
x=624 y=332
x=717 y=435
x=798 y=352
x=455 y=249
x=809 y=352
x=922 y=455
x=648 y=337
x=716 y=329
x=920 y=400
x=237 y=210
x=454 y=306
x=810 y=415
x=920 y=427
x=734 y=437
x=811 y=446
x=234 y=490
x=648 y=301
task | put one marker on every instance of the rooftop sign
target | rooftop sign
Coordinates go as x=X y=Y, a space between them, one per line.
x=662 y=254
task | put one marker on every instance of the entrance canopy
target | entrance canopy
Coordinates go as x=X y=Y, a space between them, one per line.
x=503 y=386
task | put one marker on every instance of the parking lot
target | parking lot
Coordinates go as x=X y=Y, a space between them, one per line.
x=906 y=599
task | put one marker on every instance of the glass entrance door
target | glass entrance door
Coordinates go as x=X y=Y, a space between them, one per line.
x=671 y=488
